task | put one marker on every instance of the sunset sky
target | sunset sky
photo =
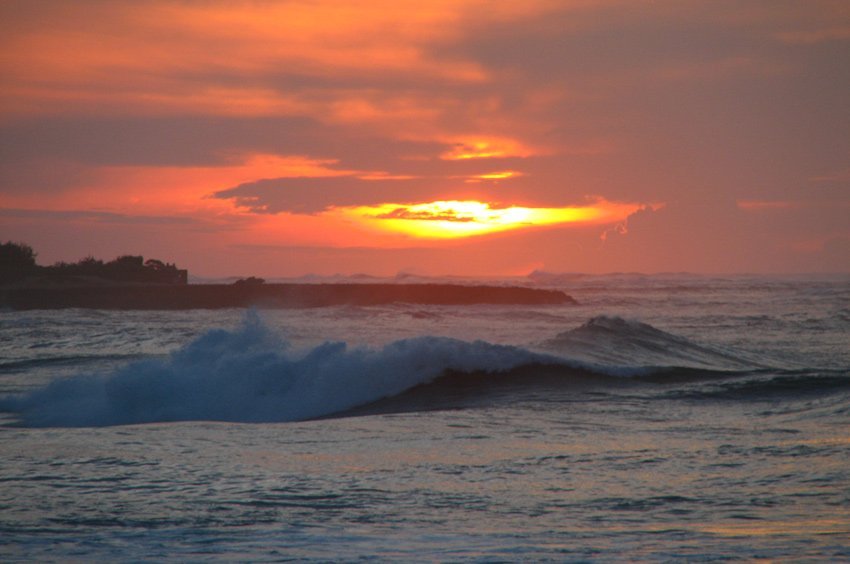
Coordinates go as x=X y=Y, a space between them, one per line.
x=440 y=137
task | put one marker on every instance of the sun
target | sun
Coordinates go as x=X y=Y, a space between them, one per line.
x=451 y=219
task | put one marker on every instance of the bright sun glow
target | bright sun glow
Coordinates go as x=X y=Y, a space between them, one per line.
x=453 y=219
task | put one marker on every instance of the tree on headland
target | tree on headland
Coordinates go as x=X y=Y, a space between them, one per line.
x=125 y=268
x=16 y=256
x=155 y=264
x=17 y=262
x=129 y=261
x=250 y=281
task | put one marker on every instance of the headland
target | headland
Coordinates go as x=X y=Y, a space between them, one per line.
x=129 y=282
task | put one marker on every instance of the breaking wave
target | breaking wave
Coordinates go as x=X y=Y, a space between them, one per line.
x=251 y=375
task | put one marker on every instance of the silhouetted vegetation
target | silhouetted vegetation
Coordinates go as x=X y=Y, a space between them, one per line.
x=250 y=281
x=17 y=262
x=16 y=255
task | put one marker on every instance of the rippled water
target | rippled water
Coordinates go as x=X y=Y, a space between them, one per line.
x=683 y=418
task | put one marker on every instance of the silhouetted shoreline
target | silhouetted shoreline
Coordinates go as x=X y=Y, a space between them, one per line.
x=215 y=296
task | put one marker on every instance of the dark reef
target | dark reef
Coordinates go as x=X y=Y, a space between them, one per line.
x=212 y=296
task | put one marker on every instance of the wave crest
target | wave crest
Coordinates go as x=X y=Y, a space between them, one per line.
x=614 y=341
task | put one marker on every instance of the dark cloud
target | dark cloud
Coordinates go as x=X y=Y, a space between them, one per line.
x=96 y=216
x=313 y=195
x=405 y=213
x=198 y=141
x=573 y=45
x=692 y=97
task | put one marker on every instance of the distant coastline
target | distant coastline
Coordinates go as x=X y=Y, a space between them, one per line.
x=216 y=296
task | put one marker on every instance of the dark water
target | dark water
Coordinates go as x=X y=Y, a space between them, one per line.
x=664 y=418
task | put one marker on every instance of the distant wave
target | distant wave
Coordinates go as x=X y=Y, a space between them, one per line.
x=251 y=375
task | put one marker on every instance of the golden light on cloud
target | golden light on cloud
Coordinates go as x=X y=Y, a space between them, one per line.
x=495 y=176
x=486 y=148
x=381 y=175
x=451 y=219
x=499 y=175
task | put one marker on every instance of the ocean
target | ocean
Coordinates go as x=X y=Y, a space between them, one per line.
x=663 y=418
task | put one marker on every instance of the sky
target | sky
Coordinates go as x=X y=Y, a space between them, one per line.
x=461 y=137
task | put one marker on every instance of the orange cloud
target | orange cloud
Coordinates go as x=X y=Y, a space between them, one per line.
x=381 y=63
x=186 y=56
x=384 y=66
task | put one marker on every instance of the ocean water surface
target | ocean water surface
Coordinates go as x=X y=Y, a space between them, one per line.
x=667 y=417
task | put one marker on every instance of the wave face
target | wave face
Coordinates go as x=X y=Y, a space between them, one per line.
x=614 y=341
x=251 y=375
